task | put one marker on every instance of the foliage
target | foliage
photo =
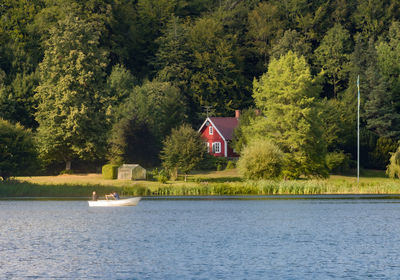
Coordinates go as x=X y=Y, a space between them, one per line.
x=371 y=17
x=239 y=139
x=182 y=150
x=381 y=155
x=334 y=117
x=17 y=102
x=67 y=172
x=210 y=50
x=291 y=41
x=161 y=176
x=333 y=55
x=110 y=171
x=173 y=57
x=145 y=119
x=265 y=25
x=388 y=56
x=210 y=162
x=393 y=169
x=72 y=102
x=120 y=83
x=287 y=95
x=230 y=165
x=216 y=79
x=18 y=154
x=337 y=162
x=261 y=159
x=380 y=107
x=131 y=140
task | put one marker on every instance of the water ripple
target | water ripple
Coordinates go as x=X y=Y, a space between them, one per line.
x=218 y=239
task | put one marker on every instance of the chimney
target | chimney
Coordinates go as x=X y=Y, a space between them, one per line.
x=237 y=114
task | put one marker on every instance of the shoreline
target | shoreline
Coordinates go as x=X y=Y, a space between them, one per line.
x=221 y=197
x=218 y=184
x=226 y=197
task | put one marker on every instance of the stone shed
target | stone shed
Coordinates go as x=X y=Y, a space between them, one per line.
x=131 y=172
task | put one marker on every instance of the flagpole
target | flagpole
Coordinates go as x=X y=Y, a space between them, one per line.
x=358 y=129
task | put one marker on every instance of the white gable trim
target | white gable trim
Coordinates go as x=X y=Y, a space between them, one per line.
x=204 y=123
x=220 y=134
x=226 y=148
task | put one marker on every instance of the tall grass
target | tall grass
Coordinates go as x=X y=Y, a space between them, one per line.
x=25 y=189
x=144 y=188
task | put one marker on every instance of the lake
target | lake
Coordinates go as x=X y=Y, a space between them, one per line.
x=201 y=239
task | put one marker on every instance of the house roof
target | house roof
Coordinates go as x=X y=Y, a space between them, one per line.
x=225 y=126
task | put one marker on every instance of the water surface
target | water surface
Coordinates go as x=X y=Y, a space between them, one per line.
x=201 y=239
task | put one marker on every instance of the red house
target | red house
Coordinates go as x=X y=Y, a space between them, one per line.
x=218 y=133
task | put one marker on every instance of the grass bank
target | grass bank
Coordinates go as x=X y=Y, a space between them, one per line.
x=211 y=183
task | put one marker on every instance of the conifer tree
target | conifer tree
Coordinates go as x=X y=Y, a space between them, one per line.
x=380 y=113
x=173 y=58
x=333 y=56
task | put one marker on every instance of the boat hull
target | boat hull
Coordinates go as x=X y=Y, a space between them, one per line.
x=113 y=203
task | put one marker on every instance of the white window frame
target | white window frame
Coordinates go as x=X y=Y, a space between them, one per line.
x=216 y=147
x=208 y=147
x=210 y=130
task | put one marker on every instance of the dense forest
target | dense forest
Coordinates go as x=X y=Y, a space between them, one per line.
x=109 y=79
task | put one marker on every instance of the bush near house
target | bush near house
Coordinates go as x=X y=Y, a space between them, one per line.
x=210 y=162
x=261 y=159
x=230 y=165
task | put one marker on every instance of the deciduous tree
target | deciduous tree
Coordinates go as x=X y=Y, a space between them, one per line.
x=287 y=96
x=183 y=150
x=17 y=150
x=71 y=94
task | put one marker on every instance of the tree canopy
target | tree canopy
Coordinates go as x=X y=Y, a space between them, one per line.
x=71 y=96
x=286 y=95
x=18 y=155
x=67 y=67
x=182 y=150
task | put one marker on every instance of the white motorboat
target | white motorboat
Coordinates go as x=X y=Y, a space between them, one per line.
x=120 y=202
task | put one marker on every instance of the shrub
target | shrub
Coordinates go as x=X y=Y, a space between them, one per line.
x=210 y=162
x=393 y=169
x=66 y=171
x=230 y=165
x=160 y=175
x=261 y=159
x=18 y=155
x=110 y=171
x=337 y=162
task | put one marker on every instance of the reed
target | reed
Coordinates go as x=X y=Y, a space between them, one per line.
x=40 y=187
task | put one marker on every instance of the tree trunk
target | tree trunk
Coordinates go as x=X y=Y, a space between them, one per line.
x=185 y=177
x=68 y=165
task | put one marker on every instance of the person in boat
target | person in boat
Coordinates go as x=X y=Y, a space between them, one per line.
x=94 y=196
x=116 y=196
x=113 y=195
